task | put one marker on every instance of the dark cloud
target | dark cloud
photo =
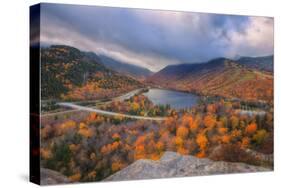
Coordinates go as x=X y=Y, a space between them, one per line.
x=150 y=38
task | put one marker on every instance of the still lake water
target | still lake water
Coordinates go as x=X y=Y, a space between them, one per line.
x=176 y=99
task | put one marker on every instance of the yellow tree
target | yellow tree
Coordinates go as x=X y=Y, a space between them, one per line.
x=182 y=132
x=209 y=121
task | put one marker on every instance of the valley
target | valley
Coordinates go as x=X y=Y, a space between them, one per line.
x=218 y=77
x=96 y=119
x=130 y=93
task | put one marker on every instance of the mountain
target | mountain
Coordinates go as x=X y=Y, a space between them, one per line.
x=218 y=77
x=70 y=74
x=124 y=68
x=264 y=63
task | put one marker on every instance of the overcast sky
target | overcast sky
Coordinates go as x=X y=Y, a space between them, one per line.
x=155 y=39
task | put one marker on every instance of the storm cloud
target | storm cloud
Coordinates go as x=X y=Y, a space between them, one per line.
x=154 y=38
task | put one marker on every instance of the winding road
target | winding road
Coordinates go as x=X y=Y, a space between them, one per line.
x=76 y=107
x=103 y=112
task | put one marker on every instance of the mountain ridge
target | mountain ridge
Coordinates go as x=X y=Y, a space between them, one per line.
x=217 y=77
x=263 y=63
x=70 y=74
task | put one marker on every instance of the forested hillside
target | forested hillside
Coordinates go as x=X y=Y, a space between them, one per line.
x=218 y=77
x=69 y=74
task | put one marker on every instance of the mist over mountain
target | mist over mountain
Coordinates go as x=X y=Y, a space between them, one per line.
x=125 y=68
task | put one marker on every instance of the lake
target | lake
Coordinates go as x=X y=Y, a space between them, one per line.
x=175 y=99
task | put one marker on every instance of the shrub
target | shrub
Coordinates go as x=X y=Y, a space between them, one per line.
x=232 y=153
x=61 y=153
x=182 y=132
x=260 y=136
x=76 y=177
x=202 y=141
x=251 y=128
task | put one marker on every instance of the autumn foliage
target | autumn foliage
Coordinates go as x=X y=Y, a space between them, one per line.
x=251 y=128
x=91 y=147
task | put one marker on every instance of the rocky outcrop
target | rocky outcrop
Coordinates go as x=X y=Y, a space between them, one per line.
x=50 y=177
x=173 y=164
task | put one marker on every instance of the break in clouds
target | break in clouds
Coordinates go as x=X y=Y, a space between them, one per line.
x=155 y=39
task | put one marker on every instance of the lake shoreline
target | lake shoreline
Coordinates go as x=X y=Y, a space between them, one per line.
x=176 y=99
